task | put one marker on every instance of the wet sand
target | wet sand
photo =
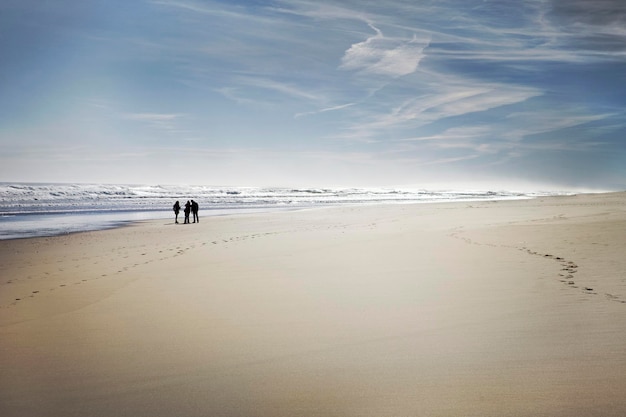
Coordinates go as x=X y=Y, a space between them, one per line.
x=468 y=309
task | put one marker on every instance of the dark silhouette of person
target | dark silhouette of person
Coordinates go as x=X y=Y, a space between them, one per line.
x=187 y=211
x=194 y=210
x=176 y=210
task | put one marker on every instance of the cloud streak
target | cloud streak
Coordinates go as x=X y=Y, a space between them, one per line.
x=166 y=122
x=328 y=109
x=448 y=101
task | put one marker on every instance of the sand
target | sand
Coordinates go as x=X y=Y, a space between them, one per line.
x=511 y=308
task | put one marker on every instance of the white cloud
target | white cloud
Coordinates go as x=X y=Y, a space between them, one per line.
x=481 y=100
x=447 y=101
x=385 y=56
x=510 y=138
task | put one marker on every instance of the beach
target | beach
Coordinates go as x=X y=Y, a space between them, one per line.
x=497 y=308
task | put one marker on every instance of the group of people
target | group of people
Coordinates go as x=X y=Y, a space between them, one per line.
x=190 y=207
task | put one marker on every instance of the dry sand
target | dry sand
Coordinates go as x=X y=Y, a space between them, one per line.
x=468 y=309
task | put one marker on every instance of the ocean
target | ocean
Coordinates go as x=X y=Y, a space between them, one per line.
x=37 y=210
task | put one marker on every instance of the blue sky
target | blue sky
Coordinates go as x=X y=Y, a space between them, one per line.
x=455 y=93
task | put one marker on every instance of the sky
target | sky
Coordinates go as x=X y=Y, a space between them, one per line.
x=426 y=93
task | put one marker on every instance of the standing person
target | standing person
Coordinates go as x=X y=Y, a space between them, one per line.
x=176 y=210
x=194 y=210
x=187 y=210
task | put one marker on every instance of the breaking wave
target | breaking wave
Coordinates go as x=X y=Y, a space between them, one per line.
x=29 y=210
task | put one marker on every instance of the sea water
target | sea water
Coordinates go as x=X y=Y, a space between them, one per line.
x=32 y=210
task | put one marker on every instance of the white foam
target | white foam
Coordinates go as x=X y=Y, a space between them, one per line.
x=34 y=209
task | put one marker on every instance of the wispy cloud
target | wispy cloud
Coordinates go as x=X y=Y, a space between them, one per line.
x=446 y=82
x=511 y=138
x=472 y=101
x=209 y=8
x=151 y=117
x=385 y=56
x=524 y=124
x=447 y=102
x=160 y=121
x=185 y=5
x=600 y=16
x=234 y=94
x=247 y=84
x=454 y=134
x=280 y=87
x=325 y=110
x=321 y=11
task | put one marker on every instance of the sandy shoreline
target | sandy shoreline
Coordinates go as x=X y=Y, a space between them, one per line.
x=511 y=308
